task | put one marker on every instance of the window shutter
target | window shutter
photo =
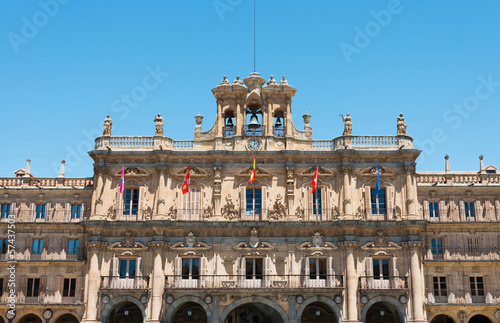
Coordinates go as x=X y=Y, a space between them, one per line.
x=177 y=270
x=267 y=271
x=23 y=281
x=67 y=212
x=324 y=197
x=442 y=210
x=138 y=266
x=118 y=203
x=429 y=289
x=12 y=210
x=43 y=285
x=243 y=199
x=264 y=202
x=185 y=205
x=306 y=267
x=478 y=208
x=59 y=288
x=368 y=201
x=142 y=202
x=64 y=246
x=115 y=266
x=203 y=271
x=462 y=210
x=79 y=288
x=497 y=209
x=32 y=212
x=241 y=272
x=393 y=271
x=48 y=212
x=29 y=246
x=82 y=212
x=369 y=266
x=330 y=272
x=427 y=212
x=389 y=207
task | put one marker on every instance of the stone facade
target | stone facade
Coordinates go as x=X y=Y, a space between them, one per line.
x=377 y=241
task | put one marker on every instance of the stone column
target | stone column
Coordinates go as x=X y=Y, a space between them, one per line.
x=347 y=201
x=417 y=287
x=157 y=281
x=351 y=281
x=99 y=172
x=290 y=187
x=160 y=199
x=93 y=281
x=410 y=196
x=217 y=191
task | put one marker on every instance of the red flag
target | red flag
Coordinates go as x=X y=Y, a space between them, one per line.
x=187 y=181
x=254 y=170
x=122 y=182
x=315 y=180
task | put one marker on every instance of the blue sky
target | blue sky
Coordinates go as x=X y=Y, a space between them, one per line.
x=66 y=64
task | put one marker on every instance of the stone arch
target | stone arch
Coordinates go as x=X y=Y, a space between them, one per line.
x=253 y=299
x=174 y=307
x=60 y=314
x=34 y=314
x=448 y=315
x=478 y=313
x=394 y=302
x=106 y=312
x=322 y=299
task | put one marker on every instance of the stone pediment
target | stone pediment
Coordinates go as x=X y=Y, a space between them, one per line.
x=380 y=243
x=254 y=97
x=309 y=172
x=254 y=243
x=132 y=171
x=195 y=172
x=245 y=172
x=372 y=171
x=190 y=243
x=317 y=243
x=128 y=242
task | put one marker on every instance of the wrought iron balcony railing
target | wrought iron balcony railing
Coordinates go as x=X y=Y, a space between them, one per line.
x=383 y=283
x=258 y=281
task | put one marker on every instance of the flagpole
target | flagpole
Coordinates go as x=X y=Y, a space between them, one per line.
x=189 y=192
x=254 y=192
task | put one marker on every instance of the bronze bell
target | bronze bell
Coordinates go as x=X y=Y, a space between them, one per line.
x=254 y=122
x=278 y=123
x=229 y=122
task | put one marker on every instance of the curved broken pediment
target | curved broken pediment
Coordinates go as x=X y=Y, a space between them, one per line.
x=132 y=171
x=194 y=171
x=317 y=243
x=254 y=243
x=190 y=243
x=309 y=172
x=380 y=243
x=260 y=172
x=128 y=242
x=372 y=171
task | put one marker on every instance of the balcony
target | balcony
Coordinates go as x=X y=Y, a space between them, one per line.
x=364 y=142
x=50 y=215
x=386 y=283
x=229 y=131
x=471 y=253
x=225 y=282
x=279 y=131
x=117 y=283
x=45 y=297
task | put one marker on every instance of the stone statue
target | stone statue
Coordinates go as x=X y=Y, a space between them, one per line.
x=401 y=125
x=347 y=125
x=107 y=126
x=159 y=125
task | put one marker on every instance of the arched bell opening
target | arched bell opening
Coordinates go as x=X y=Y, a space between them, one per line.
x=254 y=124
x=279 y=124
x=229 y=124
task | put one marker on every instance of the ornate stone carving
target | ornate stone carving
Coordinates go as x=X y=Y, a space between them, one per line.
x=190 y=239
x=272 y=81
x=380 y=240
x=161 y=201
x=299 y=212
x=208 y=212
x=96 y=245
x=347 y=124
x=401 y=125
x=237 y=81
x=111 y=212
x=128 y=240
x=397 y=212
x=229 y=211
x=254 y=239
x=439 y=269
x=148 y=212
x=172 y=211
x=279 y=210
x=98 y=201
x=159 y=125
x=108 y=124
x=217 y=179
x=190 y=242
x=360 y=212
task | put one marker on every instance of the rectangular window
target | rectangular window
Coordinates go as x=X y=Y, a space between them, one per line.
x=190 y=268
x=254 y=201
x=33 y=287
x=253 y=268
x=316 y=202
x=40 y=211
x=191 y=202
x=131 y=201
x=378 y=201
x=69 y=287
x=439 y=286
x=469 y=209
x=73 y=246
x=127 y=268
x=76 y=210
x=317 y=268
x=473 y=245
x=4 y=246
x=436 y=246
x=4 y=211
x=476 y=286
x=37 y=247
x=433 y=210
x=381 y=268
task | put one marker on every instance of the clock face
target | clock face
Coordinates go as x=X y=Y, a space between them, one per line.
x=254 y=144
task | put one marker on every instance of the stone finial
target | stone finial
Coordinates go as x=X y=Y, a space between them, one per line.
x=225 y=81
x=481 y=165
x=61 y=171
x=199 y=119
x=27 y=171
x=307 y=118
x=401 y=125
x=283 y=81
x=159 y=125
x=272 y=81
x=447 y=164
x=108 y=124
x=238 y=81
x=347 y=125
